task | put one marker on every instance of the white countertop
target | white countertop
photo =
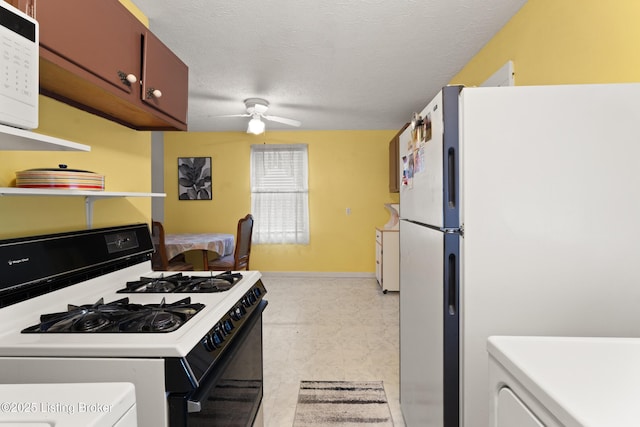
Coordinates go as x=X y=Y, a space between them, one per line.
x=582 y=381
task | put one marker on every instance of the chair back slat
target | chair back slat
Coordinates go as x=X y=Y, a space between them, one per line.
x=159 y=259
x=243 y=244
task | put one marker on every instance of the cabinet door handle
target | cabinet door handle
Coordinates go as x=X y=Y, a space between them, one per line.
x=153 y=93
x=127 y=79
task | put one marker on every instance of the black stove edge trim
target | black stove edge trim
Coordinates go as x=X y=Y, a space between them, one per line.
x=179 y=377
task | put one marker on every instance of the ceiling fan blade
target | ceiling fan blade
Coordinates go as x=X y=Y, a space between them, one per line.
x=235 y=115
x=283 y=120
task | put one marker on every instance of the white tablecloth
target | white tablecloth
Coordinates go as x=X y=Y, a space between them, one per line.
x=220 y=243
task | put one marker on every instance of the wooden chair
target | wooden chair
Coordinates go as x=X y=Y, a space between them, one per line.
x=240 y=258
x=159 y=259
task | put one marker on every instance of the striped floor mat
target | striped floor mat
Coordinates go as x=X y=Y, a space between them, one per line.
x=342 y=403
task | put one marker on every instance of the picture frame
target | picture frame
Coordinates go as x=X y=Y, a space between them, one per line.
x=194 y=178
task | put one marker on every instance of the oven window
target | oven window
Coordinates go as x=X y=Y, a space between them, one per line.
x=235 y=398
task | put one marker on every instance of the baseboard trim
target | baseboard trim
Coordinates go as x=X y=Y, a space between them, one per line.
x=337 y=274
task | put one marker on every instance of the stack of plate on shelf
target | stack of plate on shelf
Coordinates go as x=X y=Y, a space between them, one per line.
x=61 y=177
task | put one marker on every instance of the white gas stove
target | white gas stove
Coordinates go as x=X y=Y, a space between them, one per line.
x=181 y=346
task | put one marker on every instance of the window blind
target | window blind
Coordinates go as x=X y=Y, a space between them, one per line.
x=280 y=193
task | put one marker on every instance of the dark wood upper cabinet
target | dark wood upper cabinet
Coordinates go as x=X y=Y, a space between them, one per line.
x=394 y=161
x=97 y=56
x=95 y=45
x=163 y=71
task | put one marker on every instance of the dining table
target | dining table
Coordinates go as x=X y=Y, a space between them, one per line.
x=220 y=243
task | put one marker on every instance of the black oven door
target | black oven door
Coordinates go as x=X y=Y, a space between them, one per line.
x=230 y=395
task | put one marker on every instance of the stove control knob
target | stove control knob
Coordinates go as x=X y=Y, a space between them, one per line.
x=257 y=292
x=252 y=298
x=220 y=328
x=207 y=342
x=217 y=338
x=228 y=325
x=238 y=311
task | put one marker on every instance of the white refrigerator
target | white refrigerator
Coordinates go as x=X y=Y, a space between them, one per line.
x=520 y=215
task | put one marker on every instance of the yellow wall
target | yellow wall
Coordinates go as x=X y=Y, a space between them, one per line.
x=564 y=42
x=550 y=42
x=119 y=153
x=347 y=169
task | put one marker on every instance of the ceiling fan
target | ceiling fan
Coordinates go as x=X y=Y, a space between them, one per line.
x=256 y=109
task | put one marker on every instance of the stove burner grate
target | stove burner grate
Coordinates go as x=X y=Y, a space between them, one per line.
x=118 y=316
x=162 y=284
x=179 y=283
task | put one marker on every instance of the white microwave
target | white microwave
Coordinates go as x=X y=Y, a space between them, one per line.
x=19 y=42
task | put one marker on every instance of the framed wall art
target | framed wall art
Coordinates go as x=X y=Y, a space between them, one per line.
x=194 y=178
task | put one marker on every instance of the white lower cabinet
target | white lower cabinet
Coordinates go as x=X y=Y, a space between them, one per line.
x=388 y=259
x=512 y=412
x=555 y=381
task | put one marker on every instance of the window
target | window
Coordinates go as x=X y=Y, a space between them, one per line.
x=280 y=193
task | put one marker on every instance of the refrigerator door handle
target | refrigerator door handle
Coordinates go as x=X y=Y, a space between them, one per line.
x=452 y=285
x=451 y=178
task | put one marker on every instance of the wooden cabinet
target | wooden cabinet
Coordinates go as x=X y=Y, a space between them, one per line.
x=394 y=162
x=96 y=56
x=165 y=72
x=76 y=35
x=388 y=259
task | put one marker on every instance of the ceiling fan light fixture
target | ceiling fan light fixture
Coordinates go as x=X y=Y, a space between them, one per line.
x=256 y=126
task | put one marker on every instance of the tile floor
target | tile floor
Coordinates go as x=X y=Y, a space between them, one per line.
x=319 y=328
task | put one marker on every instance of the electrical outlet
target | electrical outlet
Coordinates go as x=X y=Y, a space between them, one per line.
x=348 y=211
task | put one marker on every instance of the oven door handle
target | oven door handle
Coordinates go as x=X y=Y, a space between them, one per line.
x=210 y=380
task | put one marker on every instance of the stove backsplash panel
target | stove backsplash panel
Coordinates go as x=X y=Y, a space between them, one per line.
x=34 y=265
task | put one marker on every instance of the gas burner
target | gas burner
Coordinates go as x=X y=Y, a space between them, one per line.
x=220 y=283
x=92 y=321
x=162 y=284
x=160 y=318
x=119 y=316
x=86 y=318
x=210 y=284
x=179 y=283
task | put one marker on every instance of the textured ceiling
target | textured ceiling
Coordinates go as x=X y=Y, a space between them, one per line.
x=334 y=64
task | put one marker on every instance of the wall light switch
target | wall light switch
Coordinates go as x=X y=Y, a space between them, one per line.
x=348 y=211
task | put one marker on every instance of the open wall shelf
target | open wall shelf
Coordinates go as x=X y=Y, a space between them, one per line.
x=14 y=139
x=89 y=196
